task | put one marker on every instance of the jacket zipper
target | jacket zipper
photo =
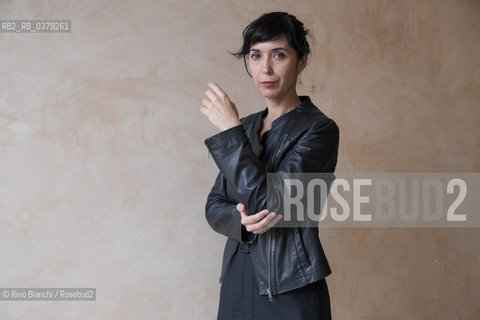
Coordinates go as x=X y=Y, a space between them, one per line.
x=275 y=155
x=269 y=290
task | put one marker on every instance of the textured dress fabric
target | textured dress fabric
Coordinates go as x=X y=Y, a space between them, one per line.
x=239 y=296
x=240 y=300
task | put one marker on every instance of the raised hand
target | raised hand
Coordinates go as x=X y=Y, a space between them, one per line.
x=219 y=109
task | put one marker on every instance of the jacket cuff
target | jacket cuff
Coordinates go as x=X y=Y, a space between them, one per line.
x=248 y=237
x=225 y=137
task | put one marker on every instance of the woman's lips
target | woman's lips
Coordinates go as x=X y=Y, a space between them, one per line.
x=268 y=84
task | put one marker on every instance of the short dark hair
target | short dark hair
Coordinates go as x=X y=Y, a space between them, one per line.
x=270 y=26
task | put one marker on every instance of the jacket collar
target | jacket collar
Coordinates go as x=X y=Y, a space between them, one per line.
x=305 y=103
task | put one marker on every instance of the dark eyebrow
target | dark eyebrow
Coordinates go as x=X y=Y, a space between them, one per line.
x=274 y=49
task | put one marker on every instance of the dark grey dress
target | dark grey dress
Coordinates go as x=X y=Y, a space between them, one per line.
x=239 y=295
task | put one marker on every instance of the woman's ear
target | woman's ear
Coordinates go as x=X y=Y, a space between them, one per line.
x=302 y=63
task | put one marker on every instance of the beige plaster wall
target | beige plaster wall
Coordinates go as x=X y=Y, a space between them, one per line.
x=104 y=173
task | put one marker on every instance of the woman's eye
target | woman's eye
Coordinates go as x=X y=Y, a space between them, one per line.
x=254 y=56
x=279 y=55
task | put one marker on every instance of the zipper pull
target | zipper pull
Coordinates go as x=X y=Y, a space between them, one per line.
x=270 y=297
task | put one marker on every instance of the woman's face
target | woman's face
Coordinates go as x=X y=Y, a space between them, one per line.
x=274 y=67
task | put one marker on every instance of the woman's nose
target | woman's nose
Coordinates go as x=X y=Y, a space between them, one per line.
x=266 y=67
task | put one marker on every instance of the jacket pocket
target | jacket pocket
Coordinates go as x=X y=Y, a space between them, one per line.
x=300 y=248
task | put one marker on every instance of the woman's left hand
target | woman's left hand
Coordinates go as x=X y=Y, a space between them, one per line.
x=260 y=222
x=219 y=109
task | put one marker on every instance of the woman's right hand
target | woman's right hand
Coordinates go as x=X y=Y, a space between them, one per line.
x=219 y=109
x=260 y=222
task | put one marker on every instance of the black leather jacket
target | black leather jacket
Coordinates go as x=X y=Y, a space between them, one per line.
x=284 y=258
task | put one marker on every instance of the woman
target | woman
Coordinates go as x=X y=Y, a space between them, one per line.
x=268 y=273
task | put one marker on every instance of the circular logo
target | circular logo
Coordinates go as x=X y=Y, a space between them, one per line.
x=5 y=294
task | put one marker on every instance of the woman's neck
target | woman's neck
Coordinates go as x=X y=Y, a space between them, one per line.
x=278 y=108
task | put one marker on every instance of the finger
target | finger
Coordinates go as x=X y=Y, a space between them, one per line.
x=251 y=221
x=275 y=221
x=257 y=217
x=268 y=219
x=206 y=103
x=261 y=226
x=204 y=110
x=247 y=220
x=271 y=223
x=216 y=88
x=243 y=212
x=241 y=207
x=211 y=95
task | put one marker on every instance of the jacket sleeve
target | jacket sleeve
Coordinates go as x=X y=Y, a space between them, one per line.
x=221 y=213
x=314 y=151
